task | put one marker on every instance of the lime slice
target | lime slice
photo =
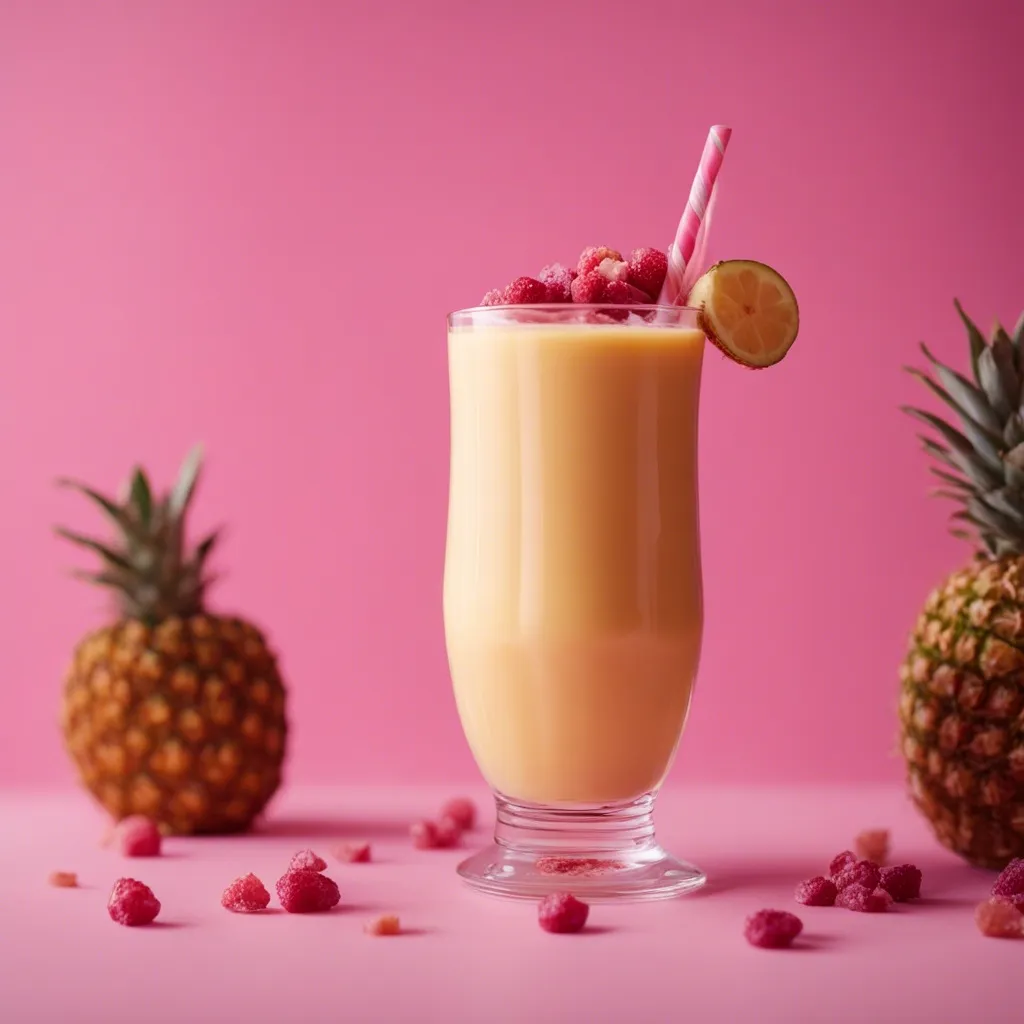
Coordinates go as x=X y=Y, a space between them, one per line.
x=748 y=310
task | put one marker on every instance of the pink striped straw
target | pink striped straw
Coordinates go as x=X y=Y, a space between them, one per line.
x=680 y=254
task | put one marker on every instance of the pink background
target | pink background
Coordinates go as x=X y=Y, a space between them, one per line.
x=244 y=222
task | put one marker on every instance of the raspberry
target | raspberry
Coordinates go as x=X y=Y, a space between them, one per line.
x=307 y=892
x=1010 y=882
x=64 y=879
x=461 y=809
x=245 y=895
x=307 y=860
x=524 y=291
x=861 y=898
x=386 y=924
x=873 y=845
x=862 y=873
x=448 y=832
x=842 y=861
x=139 y=837
x=591 y=257
x=817 y=892
x=559 y=284
x=132 y=903
x=353 y=853
x=902 y=882
x=622 y=293
x=647 y=270
x=562 y=913
x=589 y=288
x=998 y=918
x=772 y=929
x=424 y=835
x=495 y=297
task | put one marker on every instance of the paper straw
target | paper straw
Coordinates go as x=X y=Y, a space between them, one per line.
x=681 y=252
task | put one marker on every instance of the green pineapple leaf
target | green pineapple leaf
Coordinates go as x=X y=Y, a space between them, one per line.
x=979 y=444
x=1001 y=390
x=107 y=554
x=978 y=435
x=141 y=497
x=951 y=480
x=977 y=339
x=117 y=514
x=184 y=487
x=963 y=393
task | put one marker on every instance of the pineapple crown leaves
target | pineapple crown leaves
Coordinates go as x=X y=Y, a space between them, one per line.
x=148 y=565
x=982 y=457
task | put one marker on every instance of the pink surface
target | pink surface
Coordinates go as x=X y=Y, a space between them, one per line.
x=204 y=209
x=471 y=958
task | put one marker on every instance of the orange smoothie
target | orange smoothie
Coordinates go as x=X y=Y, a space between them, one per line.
x=572 y=586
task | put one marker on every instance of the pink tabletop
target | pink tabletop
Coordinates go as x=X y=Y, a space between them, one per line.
x=471 y=958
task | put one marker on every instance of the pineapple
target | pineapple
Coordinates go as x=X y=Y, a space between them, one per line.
x=961 y=708
x=170 y=712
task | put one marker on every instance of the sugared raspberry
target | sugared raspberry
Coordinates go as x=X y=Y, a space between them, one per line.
x=461 y=810
x=842 y=861
x=245 y=895
x=772 y=929
x=817 y=892
x=873 y=844
x=495 y=297
x=307 y=892
x=524 y=291
x=1010 y=882
x=64 y=879
x=622 y=293
x=862 y=873
x=589 y=288
x=386 y=924
x=902 y=882
x=353 y=853
x=423 y=835
x=998 y=918
x=139 y=837
x=307 y=860
x=449 y=832
x=591 y=257
x=132 y=903
x=861 y=898
x=647 y=270
x=562 y=912
x=559 y=284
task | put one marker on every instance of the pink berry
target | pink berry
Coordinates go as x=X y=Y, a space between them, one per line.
x=132 y=903
x=386 y=924
x=495 y=297
x=842 y=861
x=998 y=918
x=647 y=270
x=449 y=832
x=307 y=892
x=524 y=291
x=622 y=293
x=817 y=892
x=772 y=929
x=423 y=834
x=902 y=882
x=245 y=895
x=64 y=879
x=862 y=873
x=461 y=810
x=307 y=860
x=865 y=900
x=139 y=837
x=1010 y=882
x=559 y=284
x=591 y=257
x=589 y=288
x=353 y=853
x=873 y=845
x=561 y=912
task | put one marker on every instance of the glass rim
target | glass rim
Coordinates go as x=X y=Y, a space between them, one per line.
x=582 y=307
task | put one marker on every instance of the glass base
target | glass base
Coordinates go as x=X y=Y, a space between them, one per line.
x=605 y=852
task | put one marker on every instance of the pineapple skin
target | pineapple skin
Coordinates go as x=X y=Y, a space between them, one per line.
x=183 y=722
x=961 y=711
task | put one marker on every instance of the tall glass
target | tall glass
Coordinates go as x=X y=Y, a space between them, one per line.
x=572 y=585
